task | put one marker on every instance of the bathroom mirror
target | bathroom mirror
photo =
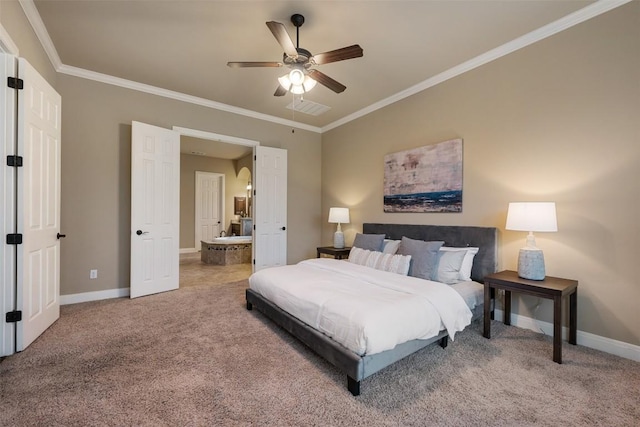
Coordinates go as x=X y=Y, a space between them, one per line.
x=240 y=205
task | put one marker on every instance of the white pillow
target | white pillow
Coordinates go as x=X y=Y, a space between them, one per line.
x=394 y=263
x=358 y=255
x=390 y=246
x=467 y=261
x=387 y=262
x=449 y=264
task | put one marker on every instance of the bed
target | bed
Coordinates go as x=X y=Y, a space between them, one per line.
x=359 y=364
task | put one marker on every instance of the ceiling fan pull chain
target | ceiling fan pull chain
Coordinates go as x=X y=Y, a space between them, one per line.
x=293 y=110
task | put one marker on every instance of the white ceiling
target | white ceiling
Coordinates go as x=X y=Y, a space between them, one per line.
x=184 y=46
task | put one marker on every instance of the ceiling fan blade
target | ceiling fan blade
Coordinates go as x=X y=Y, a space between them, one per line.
x=348 y=52
x=281 y=35
x=327 y=81
x=253 y=64
x=280 y=91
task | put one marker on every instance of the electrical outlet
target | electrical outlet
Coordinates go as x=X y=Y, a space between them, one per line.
x=93 y=274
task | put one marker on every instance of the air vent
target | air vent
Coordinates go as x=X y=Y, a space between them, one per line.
x=198 y=153
x=308 y=107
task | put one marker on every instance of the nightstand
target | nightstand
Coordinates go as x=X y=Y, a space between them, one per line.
x=553 y=288
x=334 y=252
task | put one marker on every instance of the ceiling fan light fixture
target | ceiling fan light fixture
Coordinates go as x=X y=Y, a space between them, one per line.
x=285 y=82
x=297 y=89
x=296 y=85
x=296 y=76
x=308 y=84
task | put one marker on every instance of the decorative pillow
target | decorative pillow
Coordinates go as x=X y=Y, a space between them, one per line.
x=467 y=262
x=390 y=246
x=372 y=258
x=394 y=263
x=372 y=242
x=358 y=256
x=376 y=259
x=449 y=264
x=424 y=257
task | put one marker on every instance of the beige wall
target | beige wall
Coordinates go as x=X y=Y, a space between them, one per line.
x=235 y=185
x=96 y=162
x=557 y=121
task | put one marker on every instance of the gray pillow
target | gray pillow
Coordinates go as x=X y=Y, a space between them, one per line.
x=424 y=257
x=372 y=242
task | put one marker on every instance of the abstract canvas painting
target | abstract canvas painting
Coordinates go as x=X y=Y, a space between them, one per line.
x=424 y=179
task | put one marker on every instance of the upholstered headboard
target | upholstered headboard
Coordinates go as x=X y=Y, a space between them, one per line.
x=485 y=238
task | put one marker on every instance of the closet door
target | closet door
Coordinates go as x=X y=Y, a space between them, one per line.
x=38 y=205
x=8 y=177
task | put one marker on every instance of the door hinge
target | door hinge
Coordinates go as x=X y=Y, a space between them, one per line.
x=254 y=261
x=13 y=316
x=15 y=83
x=14 y=239
x=15 y=161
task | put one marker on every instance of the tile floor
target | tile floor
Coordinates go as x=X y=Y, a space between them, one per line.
x=194 y=272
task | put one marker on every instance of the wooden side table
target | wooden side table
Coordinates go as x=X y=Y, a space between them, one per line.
x=553 y=288
x=334 y=252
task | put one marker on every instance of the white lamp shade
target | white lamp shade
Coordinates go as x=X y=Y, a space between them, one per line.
x=339 y=215
x=532 y=216
x=284 y=81
x=296 y=77
x=308 y=84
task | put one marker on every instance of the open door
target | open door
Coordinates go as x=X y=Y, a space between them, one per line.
x=38 y=205
x=155 y=209
x=8 y=176
x=270 y=204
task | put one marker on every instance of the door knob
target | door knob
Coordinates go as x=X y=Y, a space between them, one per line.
x=60 y=236
x=283 y=228
x=140 y=232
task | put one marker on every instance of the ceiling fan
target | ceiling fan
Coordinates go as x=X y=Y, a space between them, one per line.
x=302 y=77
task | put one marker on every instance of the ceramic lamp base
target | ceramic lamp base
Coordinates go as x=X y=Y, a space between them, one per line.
x=531 y=264
x=338 y=240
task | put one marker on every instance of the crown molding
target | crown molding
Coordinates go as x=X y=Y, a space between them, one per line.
x=575 y=18
x=178 y=96
x=6 y=43
x=30 y=10
x=597 y=8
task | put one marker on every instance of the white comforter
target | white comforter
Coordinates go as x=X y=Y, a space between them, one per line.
x=366 y=310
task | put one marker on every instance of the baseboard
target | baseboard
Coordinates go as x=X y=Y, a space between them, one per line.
x=597 y=342
x=93 y=296
x=188 y=250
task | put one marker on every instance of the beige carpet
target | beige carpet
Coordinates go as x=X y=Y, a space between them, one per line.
x=197 y=357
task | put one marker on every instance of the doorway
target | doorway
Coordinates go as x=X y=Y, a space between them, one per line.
x=227 y=160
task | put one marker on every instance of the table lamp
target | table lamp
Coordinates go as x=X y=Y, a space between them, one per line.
x=338 y=215
x=531 y=216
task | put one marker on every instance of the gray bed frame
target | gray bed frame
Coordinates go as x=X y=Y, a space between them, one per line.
x=358 y=367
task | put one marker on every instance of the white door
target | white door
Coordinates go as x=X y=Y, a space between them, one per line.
x=38 y=203
x=155 y=209
x=270 y=201
x=8 y=175
x=209 y=206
